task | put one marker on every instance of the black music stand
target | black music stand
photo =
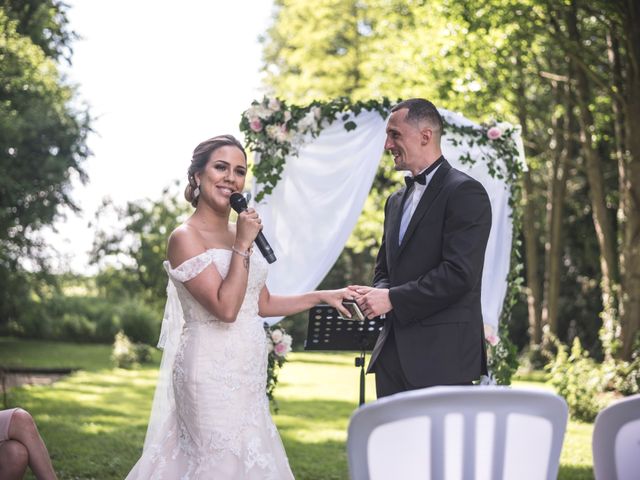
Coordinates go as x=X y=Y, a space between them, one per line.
x=329 y=331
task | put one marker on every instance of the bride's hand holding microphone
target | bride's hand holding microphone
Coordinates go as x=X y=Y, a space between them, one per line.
x=248 y=226
x=239 y=204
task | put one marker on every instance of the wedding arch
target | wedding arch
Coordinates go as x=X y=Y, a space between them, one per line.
x=314 y=166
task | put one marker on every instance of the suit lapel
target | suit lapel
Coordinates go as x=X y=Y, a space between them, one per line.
x=395 y=212
x=434 y=187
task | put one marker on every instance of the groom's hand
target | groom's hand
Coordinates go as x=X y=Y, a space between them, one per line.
x=372 y=301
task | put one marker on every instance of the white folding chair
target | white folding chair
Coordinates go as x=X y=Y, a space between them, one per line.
x=616 y=441
x=473 y=432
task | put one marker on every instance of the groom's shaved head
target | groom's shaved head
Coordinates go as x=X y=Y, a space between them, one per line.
x=419 y=111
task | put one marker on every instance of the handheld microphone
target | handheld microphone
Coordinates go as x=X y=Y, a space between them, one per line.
x=239 y=204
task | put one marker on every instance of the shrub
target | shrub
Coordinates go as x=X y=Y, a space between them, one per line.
x=143 y=353
x=123 y=353
x=579 y=379
x=139 y=322
x=126 y=354
x=34 y=322
x=74 y=327
x=106 y=320
x=624 y=377
x=536 y=357
x=70 y=318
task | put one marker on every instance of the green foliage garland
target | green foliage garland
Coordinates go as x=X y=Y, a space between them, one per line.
x=503 y=162
x=273 y=129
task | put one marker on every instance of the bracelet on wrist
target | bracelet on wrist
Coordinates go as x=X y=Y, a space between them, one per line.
x=240 y=252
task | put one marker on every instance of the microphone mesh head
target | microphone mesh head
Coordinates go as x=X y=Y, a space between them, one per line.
x=237 y=201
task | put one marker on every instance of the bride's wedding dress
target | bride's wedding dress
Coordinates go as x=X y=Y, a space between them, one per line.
x=210 y=417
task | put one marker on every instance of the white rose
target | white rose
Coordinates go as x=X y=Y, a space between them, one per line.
x=251 y=113
x=282 y=135
x=273 y=131
x=308 y=122
x=286 y=339
x=274 y=104
x=504 y=126
x=260 y=111
x=276 y=335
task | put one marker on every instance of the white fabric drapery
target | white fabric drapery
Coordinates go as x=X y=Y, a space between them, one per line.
x=317 y=202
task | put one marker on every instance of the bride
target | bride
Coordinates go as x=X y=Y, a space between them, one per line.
x=210 y=417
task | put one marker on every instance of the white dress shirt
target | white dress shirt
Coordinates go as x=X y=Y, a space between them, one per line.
x=411 y=203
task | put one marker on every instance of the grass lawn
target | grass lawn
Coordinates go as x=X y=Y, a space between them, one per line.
x=36 y=353
x=94 y=421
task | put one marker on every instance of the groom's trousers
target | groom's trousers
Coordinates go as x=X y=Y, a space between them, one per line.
x=390 y=378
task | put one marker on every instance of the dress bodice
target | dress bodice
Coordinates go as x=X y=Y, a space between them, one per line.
x=221 y=259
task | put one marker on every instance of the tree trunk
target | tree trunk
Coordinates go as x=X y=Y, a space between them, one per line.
x=532 y=289
x=602 y=223
x=629 y=166
x=563 y=131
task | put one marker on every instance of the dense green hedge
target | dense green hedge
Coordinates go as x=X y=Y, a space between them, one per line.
x=86 y=319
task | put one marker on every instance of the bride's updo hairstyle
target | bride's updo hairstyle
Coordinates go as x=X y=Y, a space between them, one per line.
x=200 y=158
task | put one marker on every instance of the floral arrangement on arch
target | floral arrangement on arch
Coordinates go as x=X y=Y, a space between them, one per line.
x=499 y=137
x=278 y=346
x=273 y=130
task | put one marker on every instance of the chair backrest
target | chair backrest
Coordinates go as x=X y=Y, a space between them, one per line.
x=474 y=432
x=616 y=441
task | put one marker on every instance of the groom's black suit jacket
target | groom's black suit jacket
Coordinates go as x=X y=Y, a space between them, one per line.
x=434 y=279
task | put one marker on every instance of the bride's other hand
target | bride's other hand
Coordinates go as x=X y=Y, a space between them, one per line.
x=248 y=226
x=335 y=299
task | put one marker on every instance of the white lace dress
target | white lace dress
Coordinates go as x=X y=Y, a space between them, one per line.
x=213 y=420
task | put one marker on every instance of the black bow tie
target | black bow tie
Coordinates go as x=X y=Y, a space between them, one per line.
x=421 y=178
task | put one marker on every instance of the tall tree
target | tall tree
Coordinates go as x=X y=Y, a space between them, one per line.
x=42 y=137
x=45 y=23
x=628 y=148
x=607 y=31
x=314 y=49
x=130 y=253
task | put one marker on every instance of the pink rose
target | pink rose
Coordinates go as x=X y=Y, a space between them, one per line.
x=255 y=124
x=494 y=133
x=493 y=340
x=280 y=349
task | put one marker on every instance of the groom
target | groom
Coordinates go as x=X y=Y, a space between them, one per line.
x=429 y=268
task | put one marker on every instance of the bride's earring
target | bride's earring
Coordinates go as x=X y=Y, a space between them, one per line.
x=196 y=192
